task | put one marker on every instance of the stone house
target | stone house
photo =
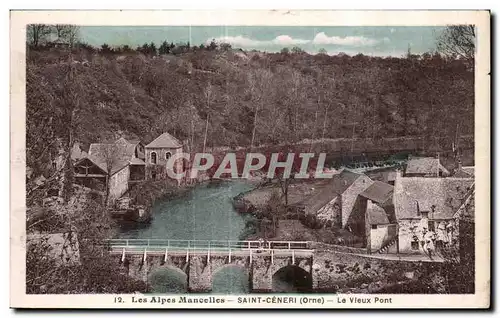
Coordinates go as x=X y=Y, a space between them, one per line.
x=336 y=205
x=380 y=221
x=425 y=167
x=349 y=186
x=157 y=154
x=117 y=164
x=425 y=210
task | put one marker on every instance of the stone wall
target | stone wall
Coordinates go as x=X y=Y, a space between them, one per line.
x=119 y=184
x=409 y=229
x=343 y=273
x=263 y=269
x=331 y=214
x=161 y=160
x=349 y=197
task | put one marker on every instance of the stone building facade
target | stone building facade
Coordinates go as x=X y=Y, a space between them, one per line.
x=426 y=210
x=158 y=152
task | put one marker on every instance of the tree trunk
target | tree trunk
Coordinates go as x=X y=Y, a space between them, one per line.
x=254 y=127
x=324 y=126
x=315 y=123
x=206 y=131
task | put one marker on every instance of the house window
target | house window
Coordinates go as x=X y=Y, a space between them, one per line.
x=168 y=154
x=431 y=226
x=153 y=175
x=414 y=245
x=374 y=226
x=153 y=157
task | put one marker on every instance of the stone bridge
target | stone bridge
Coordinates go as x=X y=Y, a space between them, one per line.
x=199 y=261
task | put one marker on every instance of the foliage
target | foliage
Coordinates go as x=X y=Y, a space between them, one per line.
x=97 y=271
x=380 y=98
x=458 y=41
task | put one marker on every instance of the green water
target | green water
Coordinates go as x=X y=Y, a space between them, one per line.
x=205 y=213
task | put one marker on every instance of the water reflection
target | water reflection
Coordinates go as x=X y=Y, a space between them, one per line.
x=231 y=279
x=167 y=280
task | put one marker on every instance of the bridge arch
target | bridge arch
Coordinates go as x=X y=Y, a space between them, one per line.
x=291 y=278
x=168 y=279
x=231 y=279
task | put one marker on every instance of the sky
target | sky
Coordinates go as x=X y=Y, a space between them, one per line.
x=373 y=41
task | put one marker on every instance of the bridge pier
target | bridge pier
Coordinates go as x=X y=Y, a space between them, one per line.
x=200 y=274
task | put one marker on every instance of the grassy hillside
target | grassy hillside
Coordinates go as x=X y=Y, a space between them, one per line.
x=89 y=96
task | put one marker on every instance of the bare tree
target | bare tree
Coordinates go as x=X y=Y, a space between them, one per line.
x=209 y=95
x=458 y=41
x=259 y=86
x=37 y=33
x=67 y=33
x=110 y=154
x=275 y=209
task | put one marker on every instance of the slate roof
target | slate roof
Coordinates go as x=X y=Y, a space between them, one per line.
x=165 y=140
x=343 y=180
x=137 y=161
x=337 y=185
x=427 y=165
x=378 y=192
x=83 y=160
x=122 y=152
x=444 y=195
x=124 y=141
x=315 y=202
x=376 y=214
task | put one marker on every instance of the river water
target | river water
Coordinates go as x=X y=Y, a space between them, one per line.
x=205 y=213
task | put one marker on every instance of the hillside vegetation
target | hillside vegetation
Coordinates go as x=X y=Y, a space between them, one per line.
x=89 y=96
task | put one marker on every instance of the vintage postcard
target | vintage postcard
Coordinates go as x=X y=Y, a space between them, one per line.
x=250 y=159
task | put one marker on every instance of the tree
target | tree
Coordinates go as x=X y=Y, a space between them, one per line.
x=67 y=33
x=209 y=96
x=110 y=154
x=458 y=41
x=37 y=33
x=259 y=88
x=275 y=210
x=164 y=48
x=145 y=48
x=225 y=46
x=105 y=48
x=285 y=50
x=297 y=50
x=152 y=48
x=322 y=51
x=126 y=48
x=212 y=46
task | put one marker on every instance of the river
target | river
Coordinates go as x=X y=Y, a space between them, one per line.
x=205 y=213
